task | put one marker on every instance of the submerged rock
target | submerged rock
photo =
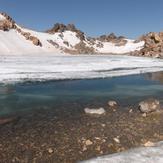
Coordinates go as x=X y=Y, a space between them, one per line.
x=98 y=111
x=7 y=120
x=149 y=105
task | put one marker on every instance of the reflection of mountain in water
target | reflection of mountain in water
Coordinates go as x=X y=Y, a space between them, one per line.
x=156 y=76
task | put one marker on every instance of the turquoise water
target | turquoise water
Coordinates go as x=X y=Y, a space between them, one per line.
x=126 y=90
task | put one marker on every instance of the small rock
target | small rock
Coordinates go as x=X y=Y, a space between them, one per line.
x=112 y=104
x=50 y=150
x=98 y=148
x=97 y=138
x=98 y=111
x=149 y=144
x=88 y=142
x=103 y=125
x=101 y=152
x=84 y=148
x=149 y=105
x=131 y=110
x=144 y=115
x=116 y=140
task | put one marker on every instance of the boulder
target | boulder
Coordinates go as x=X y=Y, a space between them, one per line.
x=153 y=44
x=112 y=103
x=97 y=111
x=26 y=35
x=149 y=105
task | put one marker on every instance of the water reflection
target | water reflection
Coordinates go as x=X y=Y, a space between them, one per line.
x=156 y=76
x=7 y=89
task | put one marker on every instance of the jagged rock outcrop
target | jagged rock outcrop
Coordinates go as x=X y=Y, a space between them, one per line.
x=8 y=23
x=5 y=25
x=119 y=41
x=70 y=27
x=153 y=46
x=57 y=28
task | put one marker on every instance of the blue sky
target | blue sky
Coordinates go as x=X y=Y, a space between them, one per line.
x=130 y=18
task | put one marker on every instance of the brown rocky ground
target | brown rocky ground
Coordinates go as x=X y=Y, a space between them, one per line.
x=69 y=136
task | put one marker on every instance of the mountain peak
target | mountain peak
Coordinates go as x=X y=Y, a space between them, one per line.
x=59 y=27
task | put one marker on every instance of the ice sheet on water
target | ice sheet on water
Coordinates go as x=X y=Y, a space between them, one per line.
x=55 y=67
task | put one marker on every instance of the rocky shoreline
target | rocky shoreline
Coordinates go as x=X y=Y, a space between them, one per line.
x=49 y=135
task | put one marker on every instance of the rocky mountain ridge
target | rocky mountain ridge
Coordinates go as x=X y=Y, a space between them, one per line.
x=68 y=39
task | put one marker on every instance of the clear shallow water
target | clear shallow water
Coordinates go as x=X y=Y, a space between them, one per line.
x=59 y=94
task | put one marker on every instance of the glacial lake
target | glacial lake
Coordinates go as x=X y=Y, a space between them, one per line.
x=127 y=90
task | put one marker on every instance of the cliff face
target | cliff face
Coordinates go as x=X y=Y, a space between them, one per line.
x=60 y=39
x=153 y=44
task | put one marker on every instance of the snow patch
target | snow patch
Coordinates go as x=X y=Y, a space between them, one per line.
x=138 y=155
x=128 y=47
x=2 y=17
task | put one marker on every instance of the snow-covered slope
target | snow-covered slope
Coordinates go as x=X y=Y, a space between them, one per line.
x=127 y=48
x=18 y=40
x=13 y=43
